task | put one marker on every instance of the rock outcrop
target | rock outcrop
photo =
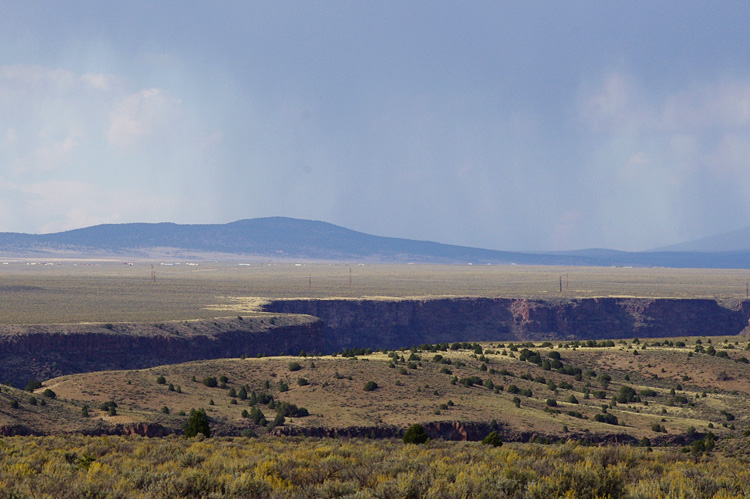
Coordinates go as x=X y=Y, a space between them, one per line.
x=326 y=326
x=397 y=323
x=43 y=352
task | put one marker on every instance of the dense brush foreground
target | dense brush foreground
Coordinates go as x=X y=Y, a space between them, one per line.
x=135 y=467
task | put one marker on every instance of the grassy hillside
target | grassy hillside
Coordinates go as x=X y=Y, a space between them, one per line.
x=677 y=393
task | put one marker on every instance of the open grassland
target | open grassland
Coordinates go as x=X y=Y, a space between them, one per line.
x=72 y=292
x=666 y=391
x=74 y=467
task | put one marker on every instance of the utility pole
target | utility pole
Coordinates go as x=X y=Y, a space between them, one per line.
x=561 y=284
x=309 y=281
x=350 y=277
x=153 y=273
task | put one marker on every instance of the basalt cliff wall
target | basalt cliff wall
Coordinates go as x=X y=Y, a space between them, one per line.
x=396 y=323
x=43 y=352
x=326 y=326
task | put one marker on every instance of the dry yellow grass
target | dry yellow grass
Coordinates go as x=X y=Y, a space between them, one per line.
x=335 y=395
x=113 y=292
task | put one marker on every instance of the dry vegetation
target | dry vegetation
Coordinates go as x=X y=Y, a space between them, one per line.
x=679 y=394
x=684 y=388
x=74 y=467
x=69 y=292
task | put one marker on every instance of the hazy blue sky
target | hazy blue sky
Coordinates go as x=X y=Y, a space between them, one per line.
x=507 y=125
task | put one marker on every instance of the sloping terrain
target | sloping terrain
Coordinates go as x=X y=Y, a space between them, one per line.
x=665 y=390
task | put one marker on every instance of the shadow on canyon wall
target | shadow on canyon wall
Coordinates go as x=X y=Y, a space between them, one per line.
x=327 y=326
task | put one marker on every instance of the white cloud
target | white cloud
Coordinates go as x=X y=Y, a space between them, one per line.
x=99 y=81
x=63 y=205
x=612 y=105
x=50 y=155
x=664 y=159
x=731 y=157
x=722 y=104
x=10 y=137
x=618 y=101
x=141 y=115
x=62 y=139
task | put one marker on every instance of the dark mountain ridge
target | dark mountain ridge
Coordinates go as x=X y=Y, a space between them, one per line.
x=288 y=238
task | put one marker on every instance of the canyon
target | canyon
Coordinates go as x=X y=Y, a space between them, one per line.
x=331 y=325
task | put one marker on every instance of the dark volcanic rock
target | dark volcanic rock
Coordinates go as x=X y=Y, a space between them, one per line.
x=394 y=324
x=42 y=352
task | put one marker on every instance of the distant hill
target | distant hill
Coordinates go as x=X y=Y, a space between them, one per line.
x=282 y=238
x=734 y=241
x=276 y=238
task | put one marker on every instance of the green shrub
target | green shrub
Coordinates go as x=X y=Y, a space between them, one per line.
x=33 y=385
x=105 y=406
x=49 y=394
x=291 y=410
x=294 y=366
x=210 y=381
x=492 y=439
x=627 y=394
x=257 y=416
x=279 y=420
x=415 y=434
x=606 y=418
x=161 y=380
x=197 y=423
x=370 y=386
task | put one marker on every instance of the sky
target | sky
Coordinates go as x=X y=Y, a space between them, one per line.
x=509 y=125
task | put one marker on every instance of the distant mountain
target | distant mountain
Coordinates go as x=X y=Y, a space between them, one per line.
x=737 y=240
x=288 y=238
x=276 y=238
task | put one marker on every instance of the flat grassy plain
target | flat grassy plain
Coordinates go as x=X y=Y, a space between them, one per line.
x=55 y=292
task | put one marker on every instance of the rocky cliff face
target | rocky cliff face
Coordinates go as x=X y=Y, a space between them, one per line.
x=393 y=324
x=475 y=431
x=42 y=352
